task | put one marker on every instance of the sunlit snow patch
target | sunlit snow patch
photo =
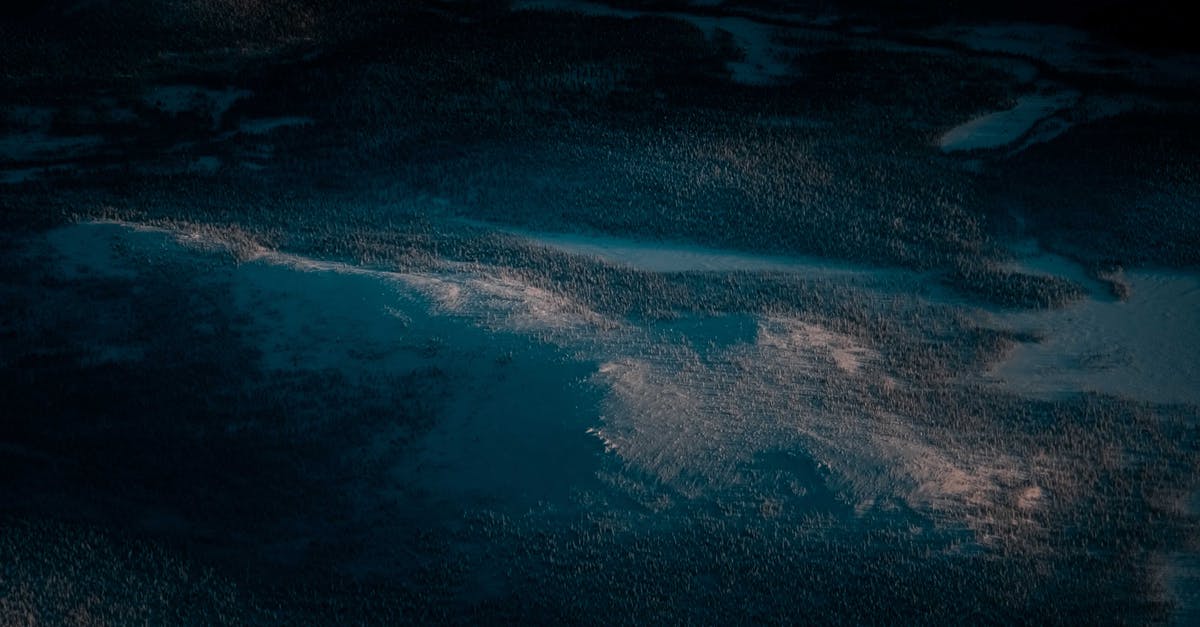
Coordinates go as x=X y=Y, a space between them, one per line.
x=700 y=424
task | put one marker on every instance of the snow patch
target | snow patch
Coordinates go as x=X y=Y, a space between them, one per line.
x=1144 y=348
x=1002 y=128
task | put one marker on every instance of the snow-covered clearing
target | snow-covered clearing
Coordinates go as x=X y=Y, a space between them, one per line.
x=1145 y=348
x=1001 y=128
